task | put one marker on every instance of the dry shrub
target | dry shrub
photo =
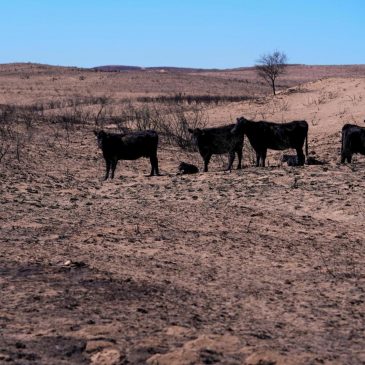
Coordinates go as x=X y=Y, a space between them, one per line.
x=78 y=114
x=193 y=99
x=323 y=98
x=4 y=144
x=177 y=122
x=12 y=137
x=171 y=122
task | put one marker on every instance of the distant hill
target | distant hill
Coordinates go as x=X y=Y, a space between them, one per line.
x=320 y=70
x=121 y=68
x=312 y=71
x=117 y=68
x=30 y=83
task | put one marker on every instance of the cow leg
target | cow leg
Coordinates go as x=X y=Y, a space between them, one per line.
x=263 y=157
x=156 y=168
x=107 y=164
x=258 y=156
x=300 y=157
x=114 y=165
x=206 y=162
x=154 y=165
x=346 y=156
x=230 y=160
x=239 y=154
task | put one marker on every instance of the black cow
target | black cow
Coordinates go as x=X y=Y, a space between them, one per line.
x=216 y=141
x=353 y=141
x=187 y=168
x=129 y=146
x=268 y=135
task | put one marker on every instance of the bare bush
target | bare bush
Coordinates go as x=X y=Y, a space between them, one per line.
x=193 y=99
x=171 y=122
x=12 y=139
x=70 y=118
x=101 y=113
x=78 y=114
x=175 y=127
x=136 y=117
x=4 y=148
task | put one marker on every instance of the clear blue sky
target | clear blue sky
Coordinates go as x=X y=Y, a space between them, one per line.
x=189 y=33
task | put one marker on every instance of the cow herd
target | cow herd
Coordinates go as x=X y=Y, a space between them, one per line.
x=228 y=139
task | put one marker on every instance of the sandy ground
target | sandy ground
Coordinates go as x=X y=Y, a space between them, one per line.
x=257 y=266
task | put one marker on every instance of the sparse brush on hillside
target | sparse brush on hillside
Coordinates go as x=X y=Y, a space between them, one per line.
x=15 y=129
x=193 y=99
x=171 y=123
x=170 y=120
x=4 y=143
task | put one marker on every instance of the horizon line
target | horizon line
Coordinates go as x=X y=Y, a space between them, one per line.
x=136 y=67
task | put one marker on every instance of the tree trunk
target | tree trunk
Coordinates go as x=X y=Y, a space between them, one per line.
x=273 y=86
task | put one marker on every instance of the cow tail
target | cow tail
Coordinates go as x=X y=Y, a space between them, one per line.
x=341 y=142
x=306 y=144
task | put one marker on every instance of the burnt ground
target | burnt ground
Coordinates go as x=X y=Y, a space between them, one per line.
x=258 y=266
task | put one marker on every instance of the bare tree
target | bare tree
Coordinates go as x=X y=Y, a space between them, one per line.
x=270 y=66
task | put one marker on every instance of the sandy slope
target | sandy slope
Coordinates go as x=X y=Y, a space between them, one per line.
x=260 y=266
x=326 y=104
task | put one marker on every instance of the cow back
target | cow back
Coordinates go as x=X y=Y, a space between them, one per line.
x=218 y=140
x=277 y=136
x=353 y=138
x=130 y=146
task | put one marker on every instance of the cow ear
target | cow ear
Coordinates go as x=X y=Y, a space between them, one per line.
x=190 y=130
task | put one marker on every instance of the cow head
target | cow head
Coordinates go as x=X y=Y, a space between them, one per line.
x=100 y=136
x=240 y=126
x=196 y=132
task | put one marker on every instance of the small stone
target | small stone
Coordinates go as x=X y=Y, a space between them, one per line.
x=97 y=345
x=106 y=357
x=4 y=357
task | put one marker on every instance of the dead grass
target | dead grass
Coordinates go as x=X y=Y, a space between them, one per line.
x=262 y=265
